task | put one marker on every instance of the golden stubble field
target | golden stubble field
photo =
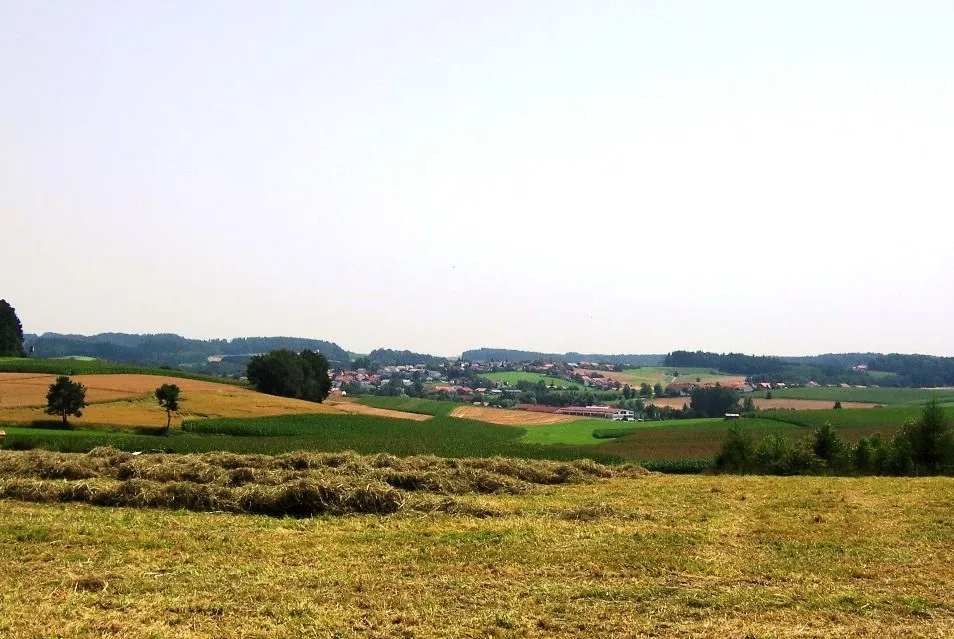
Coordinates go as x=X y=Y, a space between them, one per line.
x=128 y=400
x=507 y=417
x=659 y=556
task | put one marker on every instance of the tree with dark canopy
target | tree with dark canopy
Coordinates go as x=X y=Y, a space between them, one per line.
x=11 y=332
x=288 y=374
x=714 y=401
x=168 y=397
x=65 y=398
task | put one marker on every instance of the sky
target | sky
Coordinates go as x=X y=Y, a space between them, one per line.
x=634 y=176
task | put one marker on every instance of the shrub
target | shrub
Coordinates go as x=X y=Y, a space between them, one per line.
x=778 y=455
x=738 y=450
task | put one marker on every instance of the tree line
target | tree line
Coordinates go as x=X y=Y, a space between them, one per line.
x=921 y=447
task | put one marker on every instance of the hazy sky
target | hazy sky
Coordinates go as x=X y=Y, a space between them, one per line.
x=765 y=177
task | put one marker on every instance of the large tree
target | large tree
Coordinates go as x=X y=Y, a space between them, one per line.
x=65 y=398
x=714 y=401
x=286 y=373
x=11 y=332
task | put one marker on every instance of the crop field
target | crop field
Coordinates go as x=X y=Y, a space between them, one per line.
x=886 y=418
x=509 y=417
x=126 y=399
x=512 y=377
x=664 y=375
x=409 y=404
x=869 y=395
x=659 y=555
x=329 y=432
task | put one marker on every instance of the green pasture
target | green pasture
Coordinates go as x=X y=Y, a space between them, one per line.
x=887 y=418
x=511 y=378
x=869 y=394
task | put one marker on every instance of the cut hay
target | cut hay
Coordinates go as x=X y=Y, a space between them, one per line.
x=300 y=484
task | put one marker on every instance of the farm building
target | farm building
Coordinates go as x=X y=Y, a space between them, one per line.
x=601 y=412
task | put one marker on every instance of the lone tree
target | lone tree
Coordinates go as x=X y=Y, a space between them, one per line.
x=168 y=397
x=11 y=332
x=65 y=398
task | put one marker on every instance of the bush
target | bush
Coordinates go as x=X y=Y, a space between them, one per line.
x=777 y=455
x=738 y=451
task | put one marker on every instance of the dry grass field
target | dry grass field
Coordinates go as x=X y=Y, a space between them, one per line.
x=128 y=400
x=659 y=556
x=507 y=417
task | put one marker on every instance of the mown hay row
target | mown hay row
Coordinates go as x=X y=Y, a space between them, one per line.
x=297 y=499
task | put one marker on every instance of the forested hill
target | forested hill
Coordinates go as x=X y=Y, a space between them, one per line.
x=510 y=355
x=170 y=349
x=390 y=357
x=884 y=370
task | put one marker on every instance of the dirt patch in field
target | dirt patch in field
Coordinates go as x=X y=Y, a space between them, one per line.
x=509 y=417
x=766 y=404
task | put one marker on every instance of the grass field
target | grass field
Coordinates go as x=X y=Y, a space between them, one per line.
x=888 y=418
x=511 y=378
x=98 y=367
x=871 y=395
x=661 y=556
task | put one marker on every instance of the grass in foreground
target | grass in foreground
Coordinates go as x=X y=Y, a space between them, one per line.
x=660 y=556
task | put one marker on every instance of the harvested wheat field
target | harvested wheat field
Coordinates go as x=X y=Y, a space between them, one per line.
x=765 y=404
x=128 y=400
x=654 y=555
x=509 y=417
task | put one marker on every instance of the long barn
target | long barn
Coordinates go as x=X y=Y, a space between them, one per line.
x=600 y=412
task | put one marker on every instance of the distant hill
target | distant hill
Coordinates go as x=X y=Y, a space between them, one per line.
x=170 y=349
x=907 y=370
x=510 y=355
x=390 y=357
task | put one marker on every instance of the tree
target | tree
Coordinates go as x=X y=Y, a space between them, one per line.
x=837 y=405
x=65 y=398
x=715 y=401
x=168 y=397
x=645 y=390
x=276 y=373
x=315 y=384
x=288 y=374
x=930 y=439
x=657 y=389
x=11 y=332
